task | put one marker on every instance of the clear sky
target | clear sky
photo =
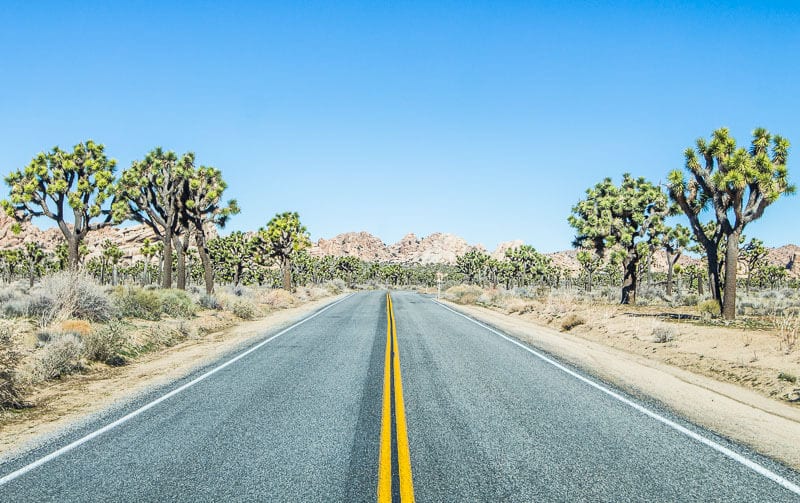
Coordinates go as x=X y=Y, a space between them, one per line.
x=483 y=119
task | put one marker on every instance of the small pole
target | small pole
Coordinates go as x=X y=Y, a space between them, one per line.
x=439 y=278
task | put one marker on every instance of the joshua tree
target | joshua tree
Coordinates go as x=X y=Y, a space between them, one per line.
x=738 y=184
x=284 y=237
x=232 y=255
x=148 y=250
x=754 y=254
x=111 y=255
x=527 y=264
x=33 y=255
x=11 y=258
x=79 y=182
x=348 y=266
x=471 y=264
x=627 y=217
x=151 y=192
x=202 y=208
x=674 y=240
x=590 y=261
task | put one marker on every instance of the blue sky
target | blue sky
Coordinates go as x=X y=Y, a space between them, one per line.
x=484 y=119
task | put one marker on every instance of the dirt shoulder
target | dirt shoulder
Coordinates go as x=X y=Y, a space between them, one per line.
x=63 y=404
x=766 y=425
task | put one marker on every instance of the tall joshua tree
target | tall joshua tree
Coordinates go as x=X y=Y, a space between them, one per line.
x=70 y=188
x=284 y=237
x=627 y=217
x=202 y=208
x=737 y=184
x=150 y=192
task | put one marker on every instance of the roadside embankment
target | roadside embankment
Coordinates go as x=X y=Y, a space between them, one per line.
x=61 y=404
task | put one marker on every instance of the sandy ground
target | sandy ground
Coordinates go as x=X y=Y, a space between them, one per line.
x=64 y=404
x=622 y=353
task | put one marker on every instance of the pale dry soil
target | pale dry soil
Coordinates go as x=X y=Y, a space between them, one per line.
x=720 y=378
x=63 y=404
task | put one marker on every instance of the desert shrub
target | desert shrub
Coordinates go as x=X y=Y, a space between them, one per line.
x=59 y=357
x=165 y=336
x=209 y=302
x=689 y=299
x=176 y=303
x=788 y=328
x=663 y=333
x=316 y=292
x=493 y=297
x=15 y=308
x=708 y=308
x=134 y=302
x=571 y=321
x=11 y=387
x=463 y=294
x=244 y=310
x=42 y=307
x=335 y=286
x=75 y=295
x=785 y=376
x=107 y=344
x=279 y=299
x=519 y=306
x=8 y=292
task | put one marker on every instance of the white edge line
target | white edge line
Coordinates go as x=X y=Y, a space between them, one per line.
x=53 y=455
x=761 y=470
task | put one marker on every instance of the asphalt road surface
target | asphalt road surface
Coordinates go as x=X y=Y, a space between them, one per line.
x=304 y=416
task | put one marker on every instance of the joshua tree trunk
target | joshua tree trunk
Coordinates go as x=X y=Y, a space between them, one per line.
x=73 y=245
x=286 y=269
x=629 y=281
x=181 y=247
x=731 y=262
x=166 y=260
x=202 y=251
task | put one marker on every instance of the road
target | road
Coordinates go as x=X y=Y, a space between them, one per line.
x=299 y=417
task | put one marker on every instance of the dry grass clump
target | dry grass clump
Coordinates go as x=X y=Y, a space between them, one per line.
x=494 y=298
x=81 y=328
x=520 y=306
x=663 y=333
x=176 y=303
x=788 y=327
x=463 y=294
x=708 y=309
x=60 y=356
x=571 y=321
x=70 y=294
x=244 y=309
x=279 y=299
x=107 y=344
x=335 y=286
x=12 y=388
x=136 y=302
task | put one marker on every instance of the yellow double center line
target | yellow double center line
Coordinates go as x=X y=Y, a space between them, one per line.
x=391 y=373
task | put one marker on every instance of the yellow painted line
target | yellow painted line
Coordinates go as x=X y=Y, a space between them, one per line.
x=385 y=457
x=403 y=452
